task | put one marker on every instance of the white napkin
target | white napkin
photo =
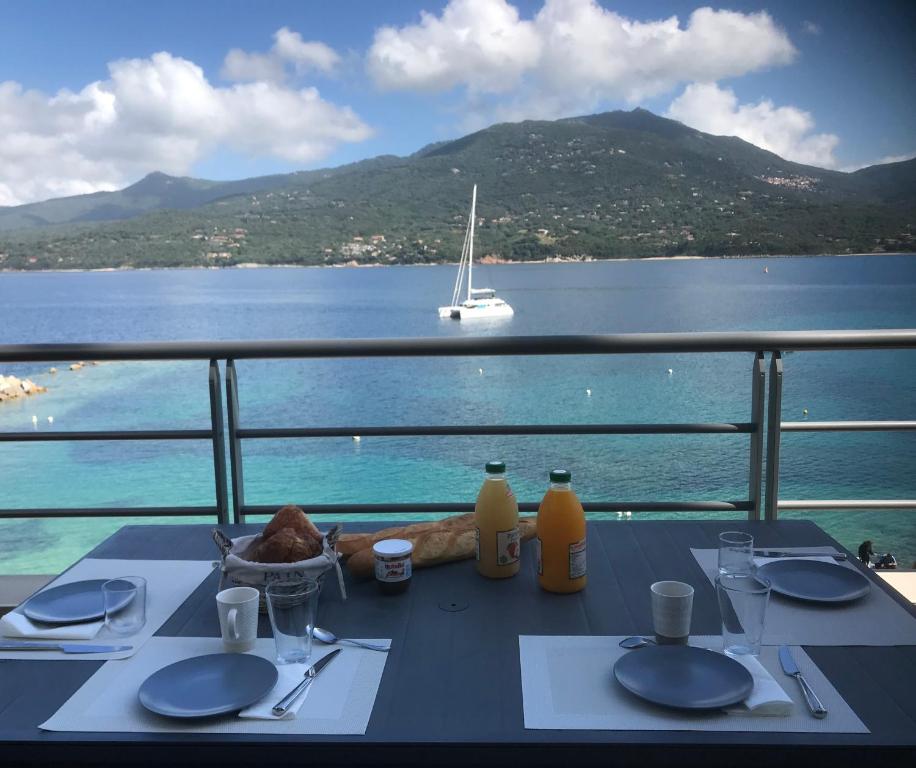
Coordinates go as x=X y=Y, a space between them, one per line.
x=290 y=676
x=15 y=624
x=767 y=697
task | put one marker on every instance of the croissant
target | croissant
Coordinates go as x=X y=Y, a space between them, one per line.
x=286 y=546
x=291 y=516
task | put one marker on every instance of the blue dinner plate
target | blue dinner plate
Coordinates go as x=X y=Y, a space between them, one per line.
x=71 y=603
x=204 y=686
x=684 y=677
x=815 y=581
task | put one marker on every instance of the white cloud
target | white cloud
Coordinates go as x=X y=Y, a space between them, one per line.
x=289 y=46
x=289 y=49
x=787 y=131
x=481 y=44
x=572 y=57
x=159 y=113
x=811 y=27
x=880 y=161
x=240 y=67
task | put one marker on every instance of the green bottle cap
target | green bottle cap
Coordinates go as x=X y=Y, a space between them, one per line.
x=560 y=476
x=496 y=467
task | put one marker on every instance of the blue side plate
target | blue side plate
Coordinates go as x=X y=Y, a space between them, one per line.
x=70 y=603
x=684 y=677
x=204 y=686
x=815 y=581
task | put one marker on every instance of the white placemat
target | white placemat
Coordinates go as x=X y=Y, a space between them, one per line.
x=875 y=619
x=568 y=684
x=168 y=585
x=340 y=700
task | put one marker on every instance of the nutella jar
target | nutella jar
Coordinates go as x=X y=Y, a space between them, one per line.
x=392 y=565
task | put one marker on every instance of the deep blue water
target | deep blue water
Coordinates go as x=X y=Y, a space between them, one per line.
x=600 y=297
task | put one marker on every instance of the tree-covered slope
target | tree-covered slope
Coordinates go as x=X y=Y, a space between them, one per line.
x=620 y=184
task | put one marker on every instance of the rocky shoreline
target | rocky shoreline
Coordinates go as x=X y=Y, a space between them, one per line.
x=12 y=388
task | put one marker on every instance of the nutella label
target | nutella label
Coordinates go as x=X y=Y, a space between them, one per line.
x=393 y=570
x=507 y=546
x=577 y=559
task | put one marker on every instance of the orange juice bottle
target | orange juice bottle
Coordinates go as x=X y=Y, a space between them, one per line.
x=561 y=537
x=496 y=519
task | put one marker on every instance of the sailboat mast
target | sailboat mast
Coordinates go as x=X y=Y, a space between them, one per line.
x=471 y=240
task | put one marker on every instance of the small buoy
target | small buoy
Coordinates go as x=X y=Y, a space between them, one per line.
x=766 y=270
x=50 y=419
x=805 y=412
x=588 y=392
x=34 y=419
x=480 y=371
x=671 y=371
x=356 y=438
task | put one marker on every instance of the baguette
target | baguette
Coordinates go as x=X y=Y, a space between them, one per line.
x=434 y=547
x=351 y=543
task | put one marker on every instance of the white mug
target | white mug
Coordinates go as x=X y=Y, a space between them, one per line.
x=238 y=617
x=672 y=606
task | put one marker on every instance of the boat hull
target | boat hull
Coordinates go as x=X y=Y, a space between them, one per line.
x=482 y=311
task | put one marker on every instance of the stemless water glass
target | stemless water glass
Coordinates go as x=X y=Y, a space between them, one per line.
x=292 y=606
x=736 y=552
x=672 y=607
x=125 y=604
x=743 y=601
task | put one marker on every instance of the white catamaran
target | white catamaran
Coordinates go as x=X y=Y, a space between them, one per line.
x=480 y=302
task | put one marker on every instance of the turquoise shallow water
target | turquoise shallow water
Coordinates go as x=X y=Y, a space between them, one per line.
x=607 y=297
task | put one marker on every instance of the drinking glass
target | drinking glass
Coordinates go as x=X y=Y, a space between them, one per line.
x=672 y=606
x=743 y=601
x=124 y=599
x=736 y=552
x=292 y=606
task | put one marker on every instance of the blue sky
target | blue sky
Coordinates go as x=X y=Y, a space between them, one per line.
x=93 y=95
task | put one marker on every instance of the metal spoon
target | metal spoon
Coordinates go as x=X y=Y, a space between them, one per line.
x=330 y=638
x=636 y=641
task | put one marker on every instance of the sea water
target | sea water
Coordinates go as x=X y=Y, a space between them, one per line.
x=575 y=298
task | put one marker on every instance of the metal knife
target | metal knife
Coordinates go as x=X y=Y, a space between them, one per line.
x=310 y=674
x=839 y=556
x=791 y=669
x=65 y=647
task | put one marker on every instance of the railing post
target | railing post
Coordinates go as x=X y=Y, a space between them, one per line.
x=235 y=443
x=774 y=421
x=219 y=447
x=755 y=475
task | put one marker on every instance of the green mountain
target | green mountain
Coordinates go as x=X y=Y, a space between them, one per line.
x=620 y=184
x=153 y=192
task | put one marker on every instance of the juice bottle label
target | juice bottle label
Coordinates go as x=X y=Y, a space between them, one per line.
x=537 y=550
x=577 y=559
x=507 y=546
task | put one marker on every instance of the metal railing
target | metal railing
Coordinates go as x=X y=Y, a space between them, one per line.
x=760 y=423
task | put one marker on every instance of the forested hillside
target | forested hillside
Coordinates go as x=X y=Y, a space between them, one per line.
x=620 y=184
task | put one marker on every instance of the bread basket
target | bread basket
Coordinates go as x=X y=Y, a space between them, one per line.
x=236 y=571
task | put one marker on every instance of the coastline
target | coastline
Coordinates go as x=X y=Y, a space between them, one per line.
x=489 y=261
